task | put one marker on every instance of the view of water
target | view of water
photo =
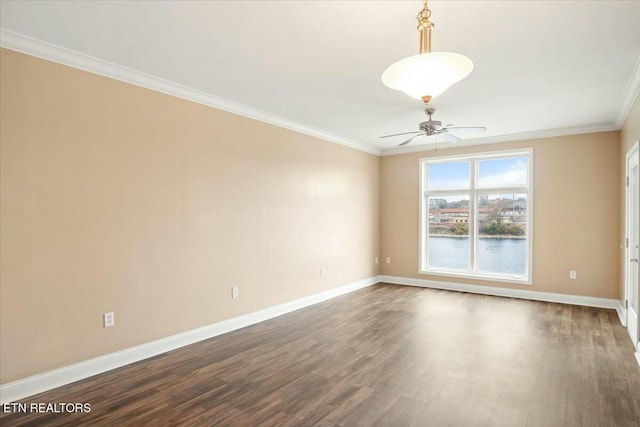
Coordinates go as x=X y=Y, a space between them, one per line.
x=503 y=256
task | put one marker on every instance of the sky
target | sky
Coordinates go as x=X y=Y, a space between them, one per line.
x=505 y=172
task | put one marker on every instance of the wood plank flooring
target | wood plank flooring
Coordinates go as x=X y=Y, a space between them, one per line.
x=385 y=355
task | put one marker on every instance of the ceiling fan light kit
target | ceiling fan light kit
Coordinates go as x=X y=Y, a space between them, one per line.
x=428 y=74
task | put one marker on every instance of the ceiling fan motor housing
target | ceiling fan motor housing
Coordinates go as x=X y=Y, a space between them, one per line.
x=431 y=127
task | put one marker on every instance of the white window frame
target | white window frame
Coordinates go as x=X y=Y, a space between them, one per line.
x=474 y=192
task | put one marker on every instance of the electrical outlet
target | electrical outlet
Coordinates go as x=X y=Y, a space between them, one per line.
x=572 y=275
x=108 y=319
x=323 y=273
x=375 y=260
x=234 y=292
x=388 y=260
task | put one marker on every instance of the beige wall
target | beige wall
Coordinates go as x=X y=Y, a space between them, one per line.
x=629 y=134
x=117 y=198
x=575 y=216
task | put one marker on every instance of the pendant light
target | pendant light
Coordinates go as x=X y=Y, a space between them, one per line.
x=428 y=74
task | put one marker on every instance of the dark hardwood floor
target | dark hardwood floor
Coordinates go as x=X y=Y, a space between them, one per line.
x=386 y=355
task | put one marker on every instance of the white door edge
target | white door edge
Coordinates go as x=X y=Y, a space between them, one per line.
x=630 y=315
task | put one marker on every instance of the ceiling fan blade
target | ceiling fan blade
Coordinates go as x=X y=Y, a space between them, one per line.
x=410 y=139
x=450 y=137
x=404 y=133
x=465 y=129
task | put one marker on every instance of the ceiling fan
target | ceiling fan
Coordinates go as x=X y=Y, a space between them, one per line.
x=434 y=127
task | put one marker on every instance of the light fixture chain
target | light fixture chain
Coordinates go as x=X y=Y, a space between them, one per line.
x=424 y=15
x=424 y=29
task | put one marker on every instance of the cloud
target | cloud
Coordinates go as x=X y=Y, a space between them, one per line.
x=515 y=176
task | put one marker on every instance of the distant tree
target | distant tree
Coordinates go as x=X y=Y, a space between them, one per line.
x=460 y=229
x=494 y=225
x=493 y=229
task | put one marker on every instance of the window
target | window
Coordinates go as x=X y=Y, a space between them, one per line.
x=475 y=216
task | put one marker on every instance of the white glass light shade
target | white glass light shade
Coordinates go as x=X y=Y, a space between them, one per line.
x=427 y=74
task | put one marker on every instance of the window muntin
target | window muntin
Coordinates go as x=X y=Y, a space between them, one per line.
x=480 y=227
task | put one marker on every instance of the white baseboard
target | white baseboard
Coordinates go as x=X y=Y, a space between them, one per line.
x=638 y=354
x=622 y=314
x=20 y=389
x=505 y=292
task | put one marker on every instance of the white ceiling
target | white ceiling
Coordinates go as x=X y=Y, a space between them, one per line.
x=541 y=68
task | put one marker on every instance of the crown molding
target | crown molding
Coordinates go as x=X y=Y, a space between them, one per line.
x=41 y=49
x=548 y=133
x=631 y=93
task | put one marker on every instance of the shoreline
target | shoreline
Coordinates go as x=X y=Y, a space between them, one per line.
x=481 y=237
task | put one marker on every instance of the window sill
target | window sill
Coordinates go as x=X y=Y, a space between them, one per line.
x=485 y=277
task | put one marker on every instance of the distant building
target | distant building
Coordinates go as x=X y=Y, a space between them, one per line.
x=457 y=215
